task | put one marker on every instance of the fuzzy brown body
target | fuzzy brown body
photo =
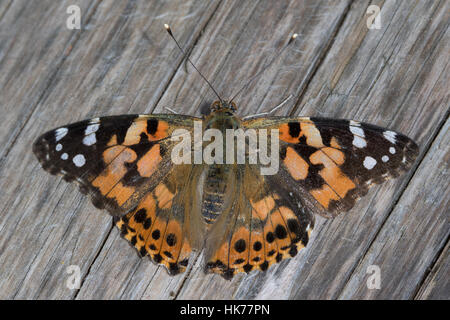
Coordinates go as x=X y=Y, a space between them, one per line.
x=217 y=176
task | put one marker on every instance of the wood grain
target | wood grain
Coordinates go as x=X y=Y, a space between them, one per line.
x=437 y=284
x=122 y=61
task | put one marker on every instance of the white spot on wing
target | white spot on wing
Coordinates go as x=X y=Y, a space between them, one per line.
x=392 y=150
x=89 y=140
x=91 y=128
x=358 y=135
x=60 y=133
x=385 y=158
x=64 y=156
x=355 y=123
x=359 y=142
x=79 y=160
x=369 y=163
x=357 y=131
x=390 y=136
x=58 y=147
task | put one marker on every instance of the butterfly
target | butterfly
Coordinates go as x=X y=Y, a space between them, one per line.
x=244 y=220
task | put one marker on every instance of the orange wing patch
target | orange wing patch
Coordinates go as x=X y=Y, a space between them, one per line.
x=257 y=247
x=239 y=249
x=338 y=184
x=286 y=134
x=281 y=235
x=148 y=164
x=261 y=208
x=218 y=263
x=296 y=165
x=154 y=130
x=172 y=243
x=324 y=195
x=292 y=132
x=163 y=196
x=108 y=181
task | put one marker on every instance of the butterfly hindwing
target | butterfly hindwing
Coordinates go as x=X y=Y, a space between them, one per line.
x=265 y=226
x=158 y=225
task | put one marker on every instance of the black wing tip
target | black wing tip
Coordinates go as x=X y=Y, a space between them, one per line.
x=410 y=153
x=41 y=149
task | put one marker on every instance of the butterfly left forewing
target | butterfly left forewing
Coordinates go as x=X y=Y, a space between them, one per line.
x=115 y=159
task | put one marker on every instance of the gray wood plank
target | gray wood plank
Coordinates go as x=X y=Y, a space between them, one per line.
x=437 y=284
x=123 y=62
x=4 y=6
x=34 y=43
x=414 y=233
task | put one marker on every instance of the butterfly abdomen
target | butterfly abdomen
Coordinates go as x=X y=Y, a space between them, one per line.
x=214 y=192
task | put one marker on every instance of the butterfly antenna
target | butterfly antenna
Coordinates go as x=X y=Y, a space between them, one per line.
x=295 y=35
x=187 y=58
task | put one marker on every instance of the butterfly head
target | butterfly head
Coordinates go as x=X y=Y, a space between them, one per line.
x=223 y=106
x=222 y=116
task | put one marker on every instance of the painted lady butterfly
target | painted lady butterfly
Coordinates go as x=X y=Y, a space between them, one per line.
x=244 y=220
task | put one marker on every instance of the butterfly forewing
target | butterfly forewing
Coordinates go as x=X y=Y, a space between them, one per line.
x=112 y=158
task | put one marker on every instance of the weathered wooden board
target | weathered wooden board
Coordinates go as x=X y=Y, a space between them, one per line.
x=437 y=284
x=31 y=54
x=122 y=61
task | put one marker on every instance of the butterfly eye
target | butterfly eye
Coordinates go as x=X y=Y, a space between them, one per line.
x=233 y=106
x=216 y=105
